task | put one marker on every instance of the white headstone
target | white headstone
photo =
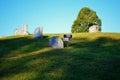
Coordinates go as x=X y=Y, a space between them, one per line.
x=25 y=29
x=94 y=28
x=17 y=32
x=56 y=42
x=22 y=31
x=67 y=37
x=38 y=32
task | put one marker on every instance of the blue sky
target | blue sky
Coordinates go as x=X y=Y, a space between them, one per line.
x=55 y=16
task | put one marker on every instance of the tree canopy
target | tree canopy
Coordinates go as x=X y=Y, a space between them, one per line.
x=84 y=20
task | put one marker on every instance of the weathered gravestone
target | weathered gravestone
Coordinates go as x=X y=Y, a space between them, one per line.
x=38 y=32
x=17 y=32
x=56 y=42
x=67 y=38
x=94 y=28
x=22 y=31
x=25 y=29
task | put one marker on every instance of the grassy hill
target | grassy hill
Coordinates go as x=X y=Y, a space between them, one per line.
x=90 y=56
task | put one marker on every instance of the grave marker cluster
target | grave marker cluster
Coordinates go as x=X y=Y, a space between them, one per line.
x=54 y=42
x=57 y=42
x=22 y=31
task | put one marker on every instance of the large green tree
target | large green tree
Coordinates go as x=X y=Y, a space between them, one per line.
x=85 y=19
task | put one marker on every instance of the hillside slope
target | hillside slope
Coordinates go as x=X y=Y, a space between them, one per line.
x=90 y=56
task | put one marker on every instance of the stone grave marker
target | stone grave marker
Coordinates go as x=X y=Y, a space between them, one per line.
x=25 y=29
x=56 y=42
x=17 y=32
x=38 y=32
x=67 y=38
x=22 y=31
x=94 y=28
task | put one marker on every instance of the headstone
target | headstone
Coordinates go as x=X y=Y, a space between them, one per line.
x=17 y=32
x=94 y=28
x=56 y=42
x=67 y=37
x=25 y=29
x=22 y=31
x=38 y=32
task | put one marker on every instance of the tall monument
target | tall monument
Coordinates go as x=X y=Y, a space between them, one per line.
x=25 y=29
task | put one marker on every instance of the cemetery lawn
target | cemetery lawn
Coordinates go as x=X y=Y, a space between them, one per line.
x=90 y=56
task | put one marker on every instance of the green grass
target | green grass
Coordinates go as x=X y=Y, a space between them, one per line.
x=90 y=56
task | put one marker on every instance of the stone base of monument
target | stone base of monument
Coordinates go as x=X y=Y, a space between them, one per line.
x=66 y=44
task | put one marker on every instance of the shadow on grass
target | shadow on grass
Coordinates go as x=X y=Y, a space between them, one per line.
x=22 y=45
x=85 y=60
x=13 y=47
x=100 y=60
